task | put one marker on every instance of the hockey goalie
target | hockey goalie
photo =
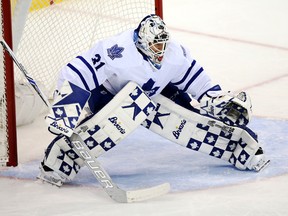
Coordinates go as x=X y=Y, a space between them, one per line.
x=143 y=77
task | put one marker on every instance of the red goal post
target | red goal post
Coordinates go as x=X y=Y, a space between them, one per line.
x=45 y=35
x=8 y=137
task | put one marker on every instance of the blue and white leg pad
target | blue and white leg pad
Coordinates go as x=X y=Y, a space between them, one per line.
x=67 y=108
x=202 y=133
x=124 y=113
x=61 y=158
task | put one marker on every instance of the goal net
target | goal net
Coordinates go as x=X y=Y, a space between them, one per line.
x=47 y=34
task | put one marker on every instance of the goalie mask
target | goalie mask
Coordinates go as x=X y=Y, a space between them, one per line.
x=151 y=39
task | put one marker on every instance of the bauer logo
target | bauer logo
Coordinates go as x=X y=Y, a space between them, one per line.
x=177 y=132
x=98 y=172
x=116 y=123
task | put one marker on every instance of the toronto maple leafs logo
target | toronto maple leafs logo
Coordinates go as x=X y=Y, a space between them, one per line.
x=115 y=52
x=149 y=87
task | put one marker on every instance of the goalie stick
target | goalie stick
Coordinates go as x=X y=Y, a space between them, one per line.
x=23 y=70
x=93 y=165
x=106 y=182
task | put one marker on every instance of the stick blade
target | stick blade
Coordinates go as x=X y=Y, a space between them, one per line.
x=147 y=193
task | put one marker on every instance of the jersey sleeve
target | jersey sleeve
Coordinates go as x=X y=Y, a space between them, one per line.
x=88 y=70
x=103 y=64
x=192 y=78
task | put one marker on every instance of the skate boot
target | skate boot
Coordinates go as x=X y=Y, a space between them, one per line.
x=259 y=161
x=48 y=175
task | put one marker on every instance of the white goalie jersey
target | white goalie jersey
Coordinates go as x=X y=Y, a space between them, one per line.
x=116 y=61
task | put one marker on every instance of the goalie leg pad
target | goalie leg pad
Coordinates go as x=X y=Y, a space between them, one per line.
x=202 y=133
x=101 y=132
x=244 y=155
x=60 y=160
x=124 y=113
x=67 y=109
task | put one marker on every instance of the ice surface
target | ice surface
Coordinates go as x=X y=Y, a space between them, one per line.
x=243 y=45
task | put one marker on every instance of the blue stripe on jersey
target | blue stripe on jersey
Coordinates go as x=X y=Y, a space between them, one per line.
x=80 y=75
x=91 y=70
x=186 y=74
x=193 y=78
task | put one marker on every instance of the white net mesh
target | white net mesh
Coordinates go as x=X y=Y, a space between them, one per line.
x=55 y=34
x=47 y=34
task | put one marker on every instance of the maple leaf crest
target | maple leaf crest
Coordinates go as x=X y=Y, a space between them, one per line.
x=232 y=147
x=74 y=122
x=226 y=133
x=107 y=144
x=135 y=92
x=243 y=158
x=194 y=145
x=145 y=124
x=210 y=139
x=93 y=129
x=216 y=153
x=71 y=155
x=66 y=168
x=59 y=112
x=241 y=121
x=115 y=52
x=61 y=154
x=90 y=143
x=150 y=109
